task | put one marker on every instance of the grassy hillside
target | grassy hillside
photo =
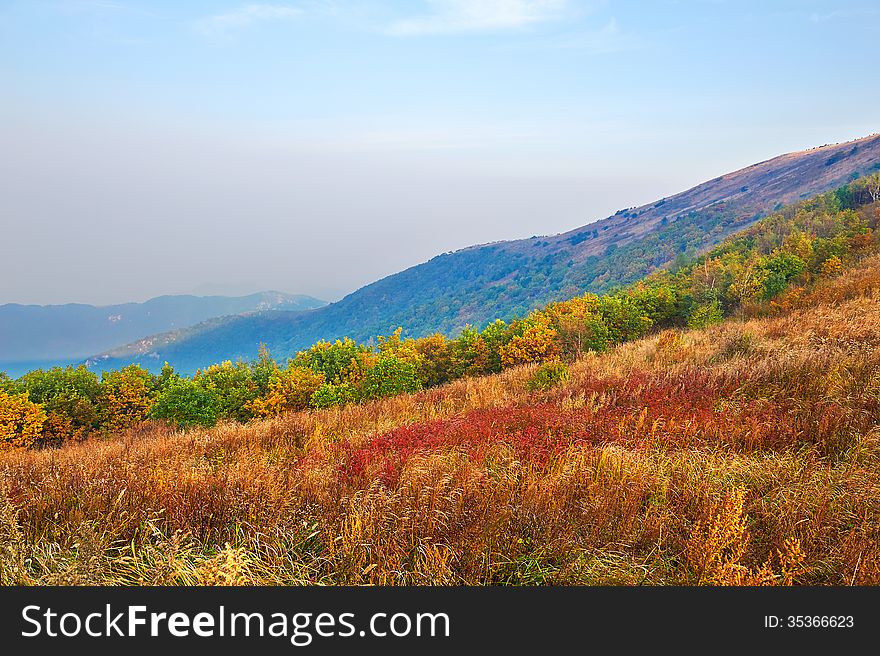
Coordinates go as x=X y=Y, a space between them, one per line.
x=746 y=452
x=506 y=279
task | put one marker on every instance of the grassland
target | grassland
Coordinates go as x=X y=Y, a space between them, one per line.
x=744 y=453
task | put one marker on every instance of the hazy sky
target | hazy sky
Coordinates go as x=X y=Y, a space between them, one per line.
x=152 y=147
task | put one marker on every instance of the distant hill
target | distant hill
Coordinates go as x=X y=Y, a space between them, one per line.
x=506 y=279
x=34 y=336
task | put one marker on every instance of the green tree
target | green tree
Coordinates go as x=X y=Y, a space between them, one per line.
x=233 y=386
x=780 y=269
x=184 y=403
x=624 y=318
x=70 y=397
x=390 y=376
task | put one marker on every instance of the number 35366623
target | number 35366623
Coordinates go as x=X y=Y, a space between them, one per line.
x=809 y=621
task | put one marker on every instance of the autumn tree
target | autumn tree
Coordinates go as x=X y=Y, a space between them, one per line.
x=402 y=349
x=126 y=397
x=289 y=389
x=21 y=421
x=579 y=325
x=341 y=361
x=468 y=354
x=832 y=266
x=435 y=361
x=536 y=342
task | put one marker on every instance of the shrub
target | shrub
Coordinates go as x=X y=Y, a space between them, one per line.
x=547 y=376
x=329 y=395
x=705 y=315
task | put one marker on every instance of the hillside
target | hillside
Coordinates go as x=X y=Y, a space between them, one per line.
x=506 y=279
x=44 y=335
x=762 y=269
x=746 y=452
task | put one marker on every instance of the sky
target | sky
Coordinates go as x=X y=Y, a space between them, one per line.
x=314 y=146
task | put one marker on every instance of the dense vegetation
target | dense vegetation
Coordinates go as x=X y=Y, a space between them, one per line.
x=745 y=452
x=763 y=269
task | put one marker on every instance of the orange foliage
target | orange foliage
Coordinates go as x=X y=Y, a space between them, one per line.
x=832 y=266
x=21 y=422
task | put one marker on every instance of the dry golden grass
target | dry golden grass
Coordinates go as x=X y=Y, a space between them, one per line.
x=745 y=453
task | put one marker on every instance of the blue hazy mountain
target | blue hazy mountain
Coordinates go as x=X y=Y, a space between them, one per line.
x=33 y=336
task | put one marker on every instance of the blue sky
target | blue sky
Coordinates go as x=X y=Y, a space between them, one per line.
x=314 y=146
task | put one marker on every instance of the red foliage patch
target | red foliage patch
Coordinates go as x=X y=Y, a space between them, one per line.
x=681 y=411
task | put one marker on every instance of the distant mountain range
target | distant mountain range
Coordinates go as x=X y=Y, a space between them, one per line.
x=504 y=279
x=34 y=336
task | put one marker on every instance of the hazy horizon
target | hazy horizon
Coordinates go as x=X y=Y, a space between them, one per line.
x=313 y=147
x=204 y=291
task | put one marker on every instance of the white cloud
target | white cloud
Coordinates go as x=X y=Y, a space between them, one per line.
x=245 y=16
x=455 y=16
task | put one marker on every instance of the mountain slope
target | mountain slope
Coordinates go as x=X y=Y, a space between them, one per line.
x=504 y=279
x=31 y=335
x=622 y=474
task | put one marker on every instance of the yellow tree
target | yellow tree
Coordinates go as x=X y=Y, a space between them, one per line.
x=579 y=325
x=536 y=343
x=21 y=421
x=289 y=389
x=126 y=397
